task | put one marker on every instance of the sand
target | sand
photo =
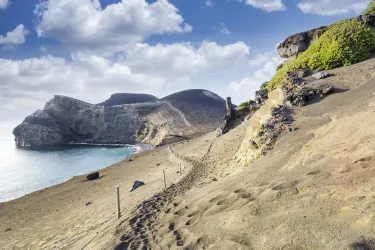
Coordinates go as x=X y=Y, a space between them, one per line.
x=314 y=190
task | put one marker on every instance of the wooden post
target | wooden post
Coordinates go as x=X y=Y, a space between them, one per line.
x=165 y=183
x=118 y=202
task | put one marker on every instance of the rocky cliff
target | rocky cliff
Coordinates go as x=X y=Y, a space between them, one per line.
x=300 y=42
x=67 y=120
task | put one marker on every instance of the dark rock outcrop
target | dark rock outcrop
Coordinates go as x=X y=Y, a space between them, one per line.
x=261 y=96
x=299 y=42
x=300 y=95
x=280 y=121
x=229 y=117
x=368 y=19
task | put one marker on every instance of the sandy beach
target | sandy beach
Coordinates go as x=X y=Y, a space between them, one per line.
x=314 y=190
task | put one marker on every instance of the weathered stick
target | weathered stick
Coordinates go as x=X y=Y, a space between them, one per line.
x=165 y=183
x=118 y=202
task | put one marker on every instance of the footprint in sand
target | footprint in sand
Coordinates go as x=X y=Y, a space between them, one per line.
x=314 y=172
x=286 y=185
x=242 y=193
x=364 y=159
x=227 y=201
x=219 y=198
x=192 y=221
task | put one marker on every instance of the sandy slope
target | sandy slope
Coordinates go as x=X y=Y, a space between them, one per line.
x=314 y=190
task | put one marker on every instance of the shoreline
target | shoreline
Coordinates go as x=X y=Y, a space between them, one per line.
x=136 y=149
x=70 y=212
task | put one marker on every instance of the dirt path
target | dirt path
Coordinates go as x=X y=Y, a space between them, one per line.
x=140 y=227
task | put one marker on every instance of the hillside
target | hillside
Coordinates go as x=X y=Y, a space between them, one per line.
x=127 y=98
x=199 y=106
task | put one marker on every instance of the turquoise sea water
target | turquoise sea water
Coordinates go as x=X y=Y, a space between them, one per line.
x=23 y=171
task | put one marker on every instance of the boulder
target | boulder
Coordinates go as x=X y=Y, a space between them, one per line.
x=300 y=42
x=321 y=75
x=93 y=176
x=261 y=96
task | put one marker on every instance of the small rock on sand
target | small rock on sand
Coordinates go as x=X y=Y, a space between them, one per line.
x=180 y=243
x=93 y=176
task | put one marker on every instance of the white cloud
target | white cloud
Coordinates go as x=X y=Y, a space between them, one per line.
x=222 y=29
x=245 y=88
x=4 y=4
x=85 y=25
x=15 y=37
x=155 y=69
x=332 y=7
x=178 y=60
x=209 y=3
x=266 y=5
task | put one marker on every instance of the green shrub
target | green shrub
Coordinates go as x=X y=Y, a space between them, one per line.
x=371 y=8
x=264 y=86
x=245 y=104
x=343 y=44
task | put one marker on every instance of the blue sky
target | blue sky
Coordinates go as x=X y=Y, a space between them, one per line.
x=89 y=49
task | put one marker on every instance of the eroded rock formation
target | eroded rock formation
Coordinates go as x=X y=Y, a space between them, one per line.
x=67 y=120
x=299 y=42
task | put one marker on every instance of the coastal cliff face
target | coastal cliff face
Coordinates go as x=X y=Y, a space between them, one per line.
x=67 y=120
x=38 y=128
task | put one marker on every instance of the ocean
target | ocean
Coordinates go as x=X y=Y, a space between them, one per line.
x=23 y=171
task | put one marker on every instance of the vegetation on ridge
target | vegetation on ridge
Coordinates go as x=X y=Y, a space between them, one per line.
x=245 y=104
x=343 y=44
x=371 y=8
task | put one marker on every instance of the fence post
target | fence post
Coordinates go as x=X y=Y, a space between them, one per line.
x=165 y=183
x=118 y=202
